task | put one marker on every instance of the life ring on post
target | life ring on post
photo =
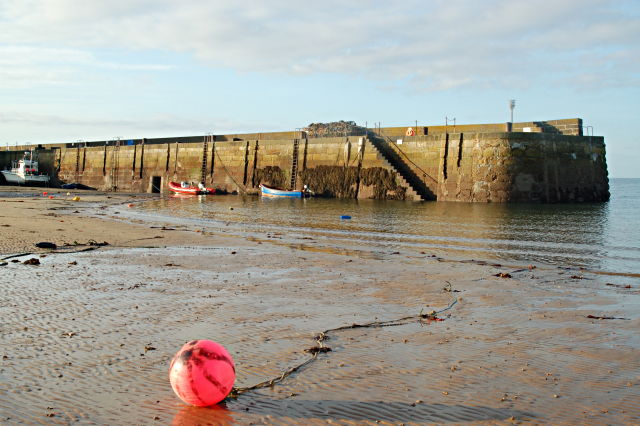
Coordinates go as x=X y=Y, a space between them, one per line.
x=410 y=132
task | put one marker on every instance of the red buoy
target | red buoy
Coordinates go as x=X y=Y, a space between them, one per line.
x=202 y=373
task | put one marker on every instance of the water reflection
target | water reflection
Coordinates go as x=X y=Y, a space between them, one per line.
x=215 y=415
x=587 y=235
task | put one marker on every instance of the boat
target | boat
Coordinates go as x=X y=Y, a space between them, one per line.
x=190 y=190
x=267 y=191
x=25 y=171
x=76 y=185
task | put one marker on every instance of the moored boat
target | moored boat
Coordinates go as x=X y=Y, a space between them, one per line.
x=274 y=192
x=25 y=171
x=179 y=188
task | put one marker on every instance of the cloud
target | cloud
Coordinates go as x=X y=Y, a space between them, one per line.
x=23 y=66
x=40 y=126
x=435 y=45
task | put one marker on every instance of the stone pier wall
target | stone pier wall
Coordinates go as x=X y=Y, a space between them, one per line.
x=502 y=167
x=505 y=167
x=480 y=166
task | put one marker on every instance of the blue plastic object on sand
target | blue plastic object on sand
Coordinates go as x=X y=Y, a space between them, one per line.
x=344 y=216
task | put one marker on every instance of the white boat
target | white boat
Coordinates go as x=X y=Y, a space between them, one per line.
x=267 y=191
x=25 y=171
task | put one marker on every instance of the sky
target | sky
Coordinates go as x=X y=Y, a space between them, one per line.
x=93 y=70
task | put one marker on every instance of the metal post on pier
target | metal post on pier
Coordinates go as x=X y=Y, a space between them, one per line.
x=446 y=124
x=512 y=105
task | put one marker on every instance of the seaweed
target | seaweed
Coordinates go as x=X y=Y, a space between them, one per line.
x=270 y=175
x=383 y=182
x=342 y=182
x=331 y=181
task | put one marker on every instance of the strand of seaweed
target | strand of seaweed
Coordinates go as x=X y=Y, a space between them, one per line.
x=322 y=337
x=88 y=246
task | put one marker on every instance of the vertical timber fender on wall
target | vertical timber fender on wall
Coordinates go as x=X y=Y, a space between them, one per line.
x=166 y=169
x=175 y=162
x=142 y=157
x=246 y=164
x=255 y=164
x=59 y=162
x=133 y=162
x=104 y=161
x=347 y=152
x=304 y=155
x=442 y=173
x=460 y=142
x=445 y=156
x=442 y=167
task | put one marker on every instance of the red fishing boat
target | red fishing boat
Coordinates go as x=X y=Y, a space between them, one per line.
x=185 y=188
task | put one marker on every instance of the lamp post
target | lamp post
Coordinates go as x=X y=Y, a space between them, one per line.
x=512 y=105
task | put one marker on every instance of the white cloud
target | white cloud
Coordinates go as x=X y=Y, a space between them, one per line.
x=24 y=66
x=37 y=126
x=28 y=55
x=437 y=44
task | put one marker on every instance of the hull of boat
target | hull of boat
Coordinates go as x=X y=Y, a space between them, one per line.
x=190 y=190
x=15 y=178
x=274 y=192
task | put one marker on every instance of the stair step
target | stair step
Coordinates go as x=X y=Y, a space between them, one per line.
x=412 y=192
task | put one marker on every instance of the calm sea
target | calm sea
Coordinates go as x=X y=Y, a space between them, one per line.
x=595 y=236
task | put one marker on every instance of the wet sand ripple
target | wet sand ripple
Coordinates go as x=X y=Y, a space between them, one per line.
x=92 y=342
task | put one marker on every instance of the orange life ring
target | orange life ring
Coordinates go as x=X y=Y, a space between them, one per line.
x=410 y=132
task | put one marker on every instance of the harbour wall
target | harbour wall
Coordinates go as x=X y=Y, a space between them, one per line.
x=520 y=162
x=513 y=166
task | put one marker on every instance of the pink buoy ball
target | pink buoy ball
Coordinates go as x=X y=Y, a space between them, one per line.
x=202 y=373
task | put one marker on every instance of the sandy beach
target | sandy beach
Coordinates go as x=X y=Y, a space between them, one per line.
x=87 y=335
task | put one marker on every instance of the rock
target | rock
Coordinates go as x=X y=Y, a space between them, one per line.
x=45 y=244
x=33 y=261
x=503 y=275
x=334 y=129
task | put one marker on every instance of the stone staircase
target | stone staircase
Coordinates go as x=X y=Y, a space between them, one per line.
x=544 y=127
x=417 y=190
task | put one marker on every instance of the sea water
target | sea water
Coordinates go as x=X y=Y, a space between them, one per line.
x=596 y=236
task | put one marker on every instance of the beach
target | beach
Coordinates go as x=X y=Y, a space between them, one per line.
x=88 y=333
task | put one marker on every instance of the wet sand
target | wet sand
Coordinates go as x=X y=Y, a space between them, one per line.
x=87 y=336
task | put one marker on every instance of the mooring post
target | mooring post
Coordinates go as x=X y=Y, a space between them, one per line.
x=142 y=156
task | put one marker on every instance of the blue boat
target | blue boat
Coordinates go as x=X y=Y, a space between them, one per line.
x=274 y=192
